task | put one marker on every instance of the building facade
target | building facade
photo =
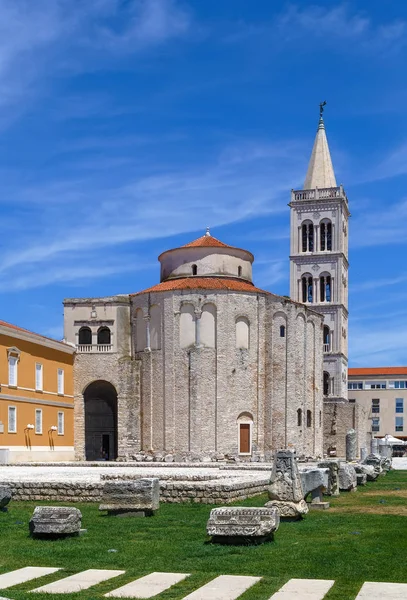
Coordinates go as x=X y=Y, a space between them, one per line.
x=36 y=397
x=382 y=393
x=202 y=364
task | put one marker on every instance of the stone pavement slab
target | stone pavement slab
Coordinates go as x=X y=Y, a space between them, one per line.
x=382 y=591
x=148 y=586
x=79 y=581
x=304 y=589
x=224 y=587
x=22 y=575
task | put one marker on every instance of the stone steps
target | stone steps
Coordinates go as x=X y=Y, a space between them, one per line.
x=223 y=587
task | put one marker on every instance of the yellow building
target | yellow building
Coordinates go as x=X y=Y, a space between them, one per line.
x=36 y=397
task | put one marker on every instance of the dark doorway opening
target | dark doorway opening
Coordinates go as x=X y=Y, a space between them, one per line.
x=100 y=421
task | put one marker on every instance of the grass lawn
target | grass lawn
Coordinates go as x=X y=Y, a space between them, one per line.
x=361 y=538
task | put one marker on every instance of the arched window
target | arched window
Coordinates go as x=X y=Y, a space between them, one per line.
x=242 y=333
x=282 y=331
x=327 y=339
x=309 y=418
x=194 y=269
x=307 y=288
x=141 y=331
x=326 y=383
x=155 y=327
x=187 y=326
x=325 y=285
x=104 y=337
x=326 y=235
x=239 y=271
x=307 y=235
x=320 y=418
x=208 y=326
x=299 y=417
x=85 y=336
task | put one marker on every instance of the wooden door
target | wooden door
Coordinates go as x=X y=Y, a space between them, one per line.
x=244 y=438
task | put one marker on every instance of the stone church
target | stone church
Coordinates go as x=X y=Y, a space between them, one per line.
x=205 y=364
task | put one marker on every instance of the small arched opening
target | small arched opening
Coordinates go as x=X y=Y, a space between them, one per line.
x=104 y=336
x=299 y=417
x=309 y=418
x=327 y=339
x=326 y=383
x=85 y=336
x=239 y=271
x=194 y=270
x=245 y=432
x=100 y=399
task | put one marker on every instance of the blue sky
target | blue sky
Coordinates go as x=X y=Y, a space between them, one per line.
x=128 y=126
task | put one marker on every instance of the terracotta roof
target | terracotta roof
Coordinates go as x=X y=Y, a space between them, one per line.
x=11 y=326
x=206 y=241
x=377 y=371
x=204 y=283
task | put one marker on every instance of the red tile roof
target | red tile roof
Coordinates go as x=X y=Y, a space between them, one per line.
x=204 y=283
x=377 y=371
x=206 y=241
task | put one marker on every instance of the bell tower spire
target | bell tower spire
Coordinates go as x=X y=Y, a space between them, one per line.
x=319 y=260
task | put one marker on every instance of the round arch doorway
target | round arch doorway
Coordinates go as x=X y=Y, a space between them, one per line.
x=100 y=400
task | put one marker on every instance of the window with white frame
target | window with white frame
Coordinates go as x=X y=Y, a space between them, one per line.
x=399 y=423
x=376 y=424
x=375 y=405
x=60 y=381
x=38 y=377
x=61 y=423
x=399 y=405
x=38 y=420
x=398 y=385
x=12 y=370
x=355 y=385
x=12 y=419
x=375 y=385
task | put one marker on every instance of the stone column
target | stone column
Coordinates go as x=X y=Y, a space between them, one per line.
x=148 y=343
x=363 y=453
x=351 y=445
x=374 y=446
x=198 y=315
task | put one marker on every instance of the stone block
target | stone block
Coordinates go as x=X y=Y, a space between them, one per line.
x=131 y=496
x=367 y=470
x=333 y=477
x=361 y=478
x=285 y=490
x=347 y=477
x=5 y=496
x=314 y=478
x=375 y=461
x=351 y=445
x=289 y=510
x=55 y=521
x=319 y=505
x=241 y=524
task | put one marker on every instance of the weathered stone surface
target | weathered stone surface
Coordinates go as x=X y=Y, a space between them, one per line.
x=374 y=446
x=333 y=477
x=226 y=524
x=375 y=461
x=55 y=521
x=385 y=464
x=5 y=496
x=289 y=510
x=351 y=445
x=367 y=470
x=363 y=453
x=131 y=496
x=314 y=480
x=347 y=477
x=285 y=490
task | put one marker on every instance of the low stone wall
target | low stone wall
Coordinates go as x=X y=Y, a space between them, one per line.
x=219 y=491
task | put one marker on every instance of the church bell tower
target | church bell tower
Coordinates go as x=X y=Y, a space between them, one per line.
x=319 y=259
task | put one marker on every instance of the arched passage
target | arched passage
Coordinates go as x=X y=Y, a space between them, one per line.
x=100 y=399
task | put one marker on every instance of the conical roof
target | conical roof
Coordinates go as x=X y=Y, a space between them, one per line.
x=320 y=172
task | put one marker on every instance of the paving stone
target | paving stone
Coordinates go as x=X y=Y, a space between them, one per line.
x=22 y=575
x=304 y=589
x=224 y=587
x=382 y=591
x=148 y=586
x=79 y=581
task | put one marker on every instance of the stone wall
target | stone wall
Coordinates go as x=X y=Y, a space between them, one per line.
x=219 y=491
x=339 y=417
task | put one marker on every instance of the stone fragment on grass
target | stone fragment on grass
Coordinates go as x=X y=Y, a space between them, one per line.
x=347 y=477
x=54 y=521
x=361 y=478
x=314 y=481
x=136 y=497
x=285 y=490
x=333 y=477
x=375 y=461
x=367 y=470
x=240 y=524
x=5 y=496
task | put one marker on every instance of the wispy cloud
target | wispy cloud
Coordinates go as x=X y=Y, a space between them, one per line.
x=385 y=226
